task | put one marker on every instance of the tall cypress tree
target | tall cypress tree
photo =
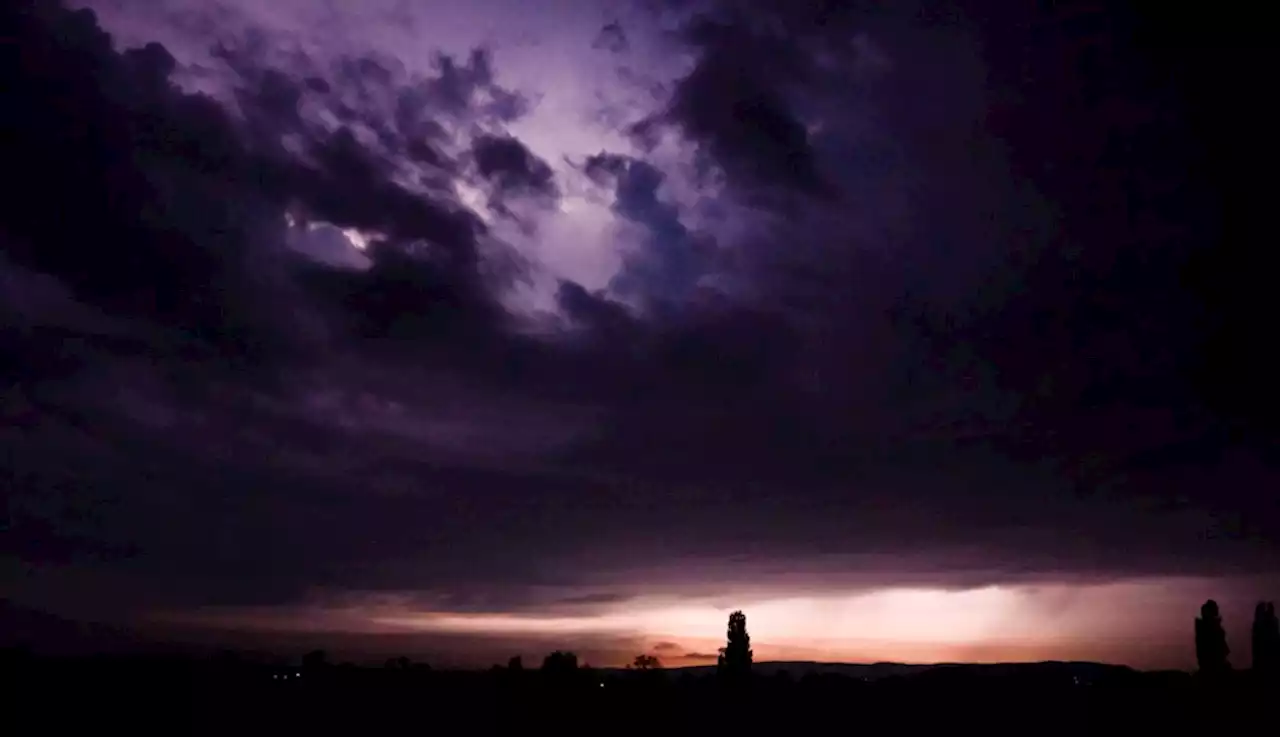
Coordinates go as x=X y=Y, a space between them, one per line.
x=1266 y=640
x=1211 y=641
x=735 y=656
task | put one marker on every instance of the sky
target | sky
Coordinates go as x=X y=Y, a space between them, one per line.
x=917 y=331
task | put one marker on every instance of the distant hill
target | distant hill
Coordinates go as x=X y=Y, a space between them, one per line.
x=797 y=668
x=1080 y=673
x=1086 y=672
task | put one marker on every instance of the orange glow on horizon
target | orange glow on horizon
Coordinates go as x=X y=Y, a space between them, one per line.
x=1141 y=622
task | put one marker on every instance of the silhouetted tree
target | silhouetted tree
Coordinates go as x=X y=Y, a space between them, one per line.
x=516 y=663
x=315 y=660
x=560 y=663
x=1266 y=640
x=735 y=656
x=646 y=662
x=1211 y=641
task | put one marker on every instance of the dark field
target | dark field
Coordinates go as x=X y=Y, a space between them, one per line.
x=174 y=696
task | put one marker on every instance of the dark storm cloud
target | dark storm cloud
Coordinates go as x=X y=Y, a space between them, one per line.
x=745 y=126
x=742 y=103
x=671 y=259
x=185 y=236
x=508 y=161
x=176 y=257
x=387 y=118
x=391 y=429
x=612 y=38
x=513 y=171
x=1061 y=347
x=1100 y=329
x=467 y=88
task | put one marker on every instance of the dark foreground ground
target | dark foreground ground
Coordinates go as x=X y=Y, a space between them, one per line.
x=174 y=697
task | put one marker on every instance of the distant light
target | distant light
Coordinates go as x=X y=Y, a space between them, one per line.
x=297 y=675
x=602 y=685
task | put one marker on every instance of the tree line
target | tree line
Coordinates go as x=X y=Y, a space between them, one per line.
x=1213 y=653
x=734 y=661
